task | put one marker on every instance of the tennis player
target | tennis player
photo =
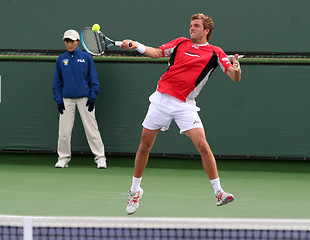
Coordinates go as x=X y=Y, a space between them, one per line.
x=76 y=85
x=191 y=63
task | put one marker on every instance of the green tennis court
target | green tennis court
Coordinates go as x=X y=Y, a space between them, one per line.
x=30 y=185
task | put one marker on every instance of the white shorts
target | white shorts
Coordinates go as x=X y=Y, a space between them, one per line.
x=165 y=108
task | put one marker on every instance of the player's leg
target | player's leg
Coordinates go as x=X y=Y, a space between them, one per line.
x=92 y=132
x=66 y=122
x=157 y=118
x=197 y=135
x=190 y=123
x=146 y=143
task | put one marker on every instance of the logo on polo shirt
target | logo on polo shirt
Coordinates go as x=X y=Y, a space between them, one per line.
x=65 y=61
x=81 y=60
x=195 y=46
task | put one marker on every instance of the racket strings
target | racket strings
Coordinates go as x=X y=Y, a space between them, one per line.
x=93 y=42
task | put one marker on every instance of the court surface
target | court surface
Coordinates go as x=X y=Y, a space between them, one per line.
x=30 y=185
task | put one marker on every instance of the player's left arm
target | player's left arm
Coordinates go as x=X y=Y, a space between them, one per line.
x=234 y=71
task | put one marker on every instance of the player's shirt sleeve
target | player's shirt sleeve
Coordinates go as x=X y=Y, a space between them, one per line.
x=167 y=48
x=223 y=60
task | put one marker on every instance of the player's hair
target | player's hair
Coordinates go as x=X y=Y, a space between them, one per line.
x=207 y=23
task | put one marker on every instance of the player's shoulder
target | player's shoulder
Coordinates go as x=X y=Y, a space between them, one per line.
x=183 y=39
x=215 y=48
x=175 y=42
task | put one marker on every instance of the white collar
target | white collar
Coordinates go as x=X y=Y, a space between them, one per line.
x=204 y=44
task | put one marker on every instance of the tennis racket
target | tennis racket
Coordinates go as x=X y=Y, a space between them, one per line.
x=96 y=43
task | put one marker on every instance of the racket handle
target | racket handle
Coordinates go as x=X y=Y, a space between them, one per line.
x=119 y=43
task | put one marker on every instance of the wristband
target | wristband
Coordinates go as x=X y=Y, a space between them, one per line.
x=237 y=68
x=140 y=48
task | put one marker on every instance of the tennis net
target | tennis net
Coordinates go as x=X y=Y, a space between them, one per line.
x=126 y=228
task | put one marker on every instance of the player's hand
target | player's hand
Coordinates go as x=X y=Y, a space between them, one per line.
x=129 y=44
x=236 y=64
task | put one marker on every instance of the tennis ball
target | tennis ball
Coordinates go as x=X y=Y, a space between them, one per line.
x=96 y=27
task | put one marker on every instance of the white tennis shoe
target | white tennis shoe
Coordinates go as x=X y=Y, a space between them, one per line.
x=133 y=201
x=223 y=198
x=62 y=164
x=101 y=163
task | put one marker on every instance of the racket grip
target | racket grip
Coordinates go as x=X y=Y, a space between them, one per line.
x=119 y=43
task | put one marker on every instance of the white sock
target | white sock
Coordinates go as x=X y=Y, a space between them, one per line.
x=216 y=184
x=135 y=184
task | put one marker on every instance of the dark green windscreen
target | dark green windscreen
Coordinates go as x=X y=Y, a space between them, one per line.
x=266 y=114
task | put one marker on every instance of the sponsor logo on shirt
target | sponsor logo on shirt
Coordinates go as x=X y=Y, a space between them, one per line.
x=195 y=46
x=225 y=59
x=81 y=60
x=65 y=61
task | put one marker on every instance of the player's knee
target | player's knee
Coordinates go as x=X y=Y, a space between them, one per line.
x=145 y=147
x=204 y=148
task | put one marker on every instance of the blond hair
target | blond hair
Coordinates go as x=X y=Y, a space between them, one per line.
x=207 y=23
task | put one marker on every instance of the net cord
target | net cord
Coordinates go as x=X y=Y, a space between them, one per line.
x=158 y=222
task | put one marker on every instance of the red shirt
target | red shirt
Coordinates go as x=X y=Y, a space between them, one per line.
x=189 y=68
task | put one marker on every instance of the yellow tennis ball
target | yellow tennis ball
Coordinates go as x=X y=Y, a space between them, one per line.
x=96 y=27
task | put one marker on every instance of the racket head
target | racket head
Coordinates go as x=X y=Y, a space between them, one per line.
x=93 y=42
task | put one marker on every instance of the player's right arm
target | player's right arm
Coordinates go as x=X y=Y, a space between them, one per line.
x=149 y=51
x=153 y=52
